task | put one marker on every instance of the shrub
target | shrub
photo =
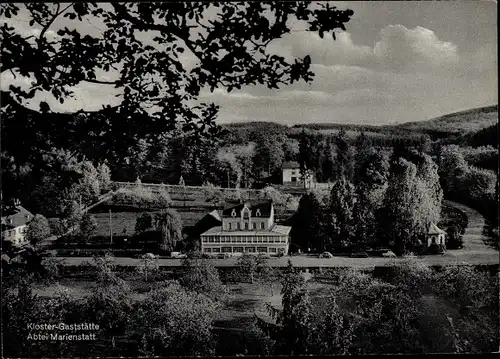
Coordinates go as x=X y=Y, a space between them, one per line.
x=454 y=237
x=142 y=197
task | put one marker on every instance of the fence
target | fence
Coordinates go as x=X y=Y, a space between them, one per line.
x=170 y=187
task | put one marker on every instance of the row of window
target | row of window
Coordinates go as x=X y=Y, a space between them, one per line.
x=231 y=226
x=241 y=249
x=12 y=233
x=243 y=239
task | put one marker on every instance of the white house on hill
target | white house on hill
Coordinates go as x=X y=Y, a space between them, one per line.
x=292 y=175
x=247 y=228
x=14 y=225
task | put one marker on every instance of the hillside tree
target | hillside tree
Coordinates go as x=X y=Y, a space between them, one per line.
x=308 y=229
x=202 y=277
x=169 y=223
x=143 y=223
x=340 y=213
x=406 y=208
x=37 y=230
x=88 y=225
x=175 y=320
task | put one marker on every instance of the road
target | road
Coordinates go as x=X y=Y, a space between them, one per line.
x=474 y=240
x=484 y=258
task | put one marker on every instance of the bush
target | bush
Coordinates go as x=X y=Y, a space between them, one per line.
x=454 y=237
x=213 y=195
x=435 y=249
x=142 y=197
x=280 y=198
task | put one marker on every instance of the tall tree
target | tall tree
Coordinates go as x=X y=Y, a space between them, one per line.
x=343 y=161
x=306 y=153
x=170 y=224
x=37 y=230
x=104 y=176
x=308 y=230
x=341 y=213
x=88 y=225
x=403 y=204
x=371 y=182
x=201 y=276
x=427 y=172
x=328 y=165
x=294 y=318
x=177 y=321
x=89 y=183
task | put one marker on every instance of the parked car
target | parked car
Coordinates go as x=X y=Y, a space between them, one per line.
x=198 y=255
x=223 y=256
x=326 y=255
x=389 y=254
x=409 y=255
x=359 y=255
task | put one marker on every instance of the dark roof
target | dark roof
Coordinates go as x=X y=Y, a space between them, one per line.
x=263 y=206
x=21 y=217
x=290 y=165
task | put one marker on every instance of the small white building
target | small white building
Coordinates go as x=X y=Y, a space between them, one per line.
x=436 y=235
x=14 y=226
x=292 y=175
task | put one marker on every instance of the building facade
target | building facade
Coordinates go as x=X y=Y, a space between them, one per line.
x=14 y=226
x=292 y=176
x=247 y=228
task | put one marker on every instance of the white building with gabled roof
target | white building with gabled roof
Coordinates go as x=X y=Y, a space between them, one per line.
x=247 y=228
x=14 y=225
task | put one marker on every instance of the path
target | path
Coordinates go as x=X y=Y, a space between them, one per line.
x=474 y=239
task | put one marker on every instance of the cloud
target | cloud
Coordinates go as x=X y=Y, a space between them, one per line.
x=397 y=49
x=400 y=48
x=87 y=96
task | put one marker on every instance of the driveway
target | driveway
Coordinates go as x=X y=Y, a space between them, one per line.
x=474 y=239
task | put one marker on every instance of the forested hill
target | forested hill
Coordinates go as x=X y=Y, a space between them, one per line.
x=454 y=124
x=468 y=121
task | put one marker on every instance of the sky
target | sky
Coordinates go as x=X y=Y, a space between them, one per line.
x=396 y=62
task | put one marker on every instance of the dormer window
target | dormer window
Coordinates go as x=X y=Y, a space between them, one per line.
x=27 y=216
x=9 y=220
x=233 y=213
x=257 y=213
x=246 y=212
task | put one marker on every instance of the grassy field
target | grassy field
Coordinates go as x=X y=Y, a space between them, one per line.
x=124 y=222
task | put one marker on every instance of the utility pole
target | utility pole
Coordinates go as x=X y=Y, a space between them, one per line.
x=110 y=229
